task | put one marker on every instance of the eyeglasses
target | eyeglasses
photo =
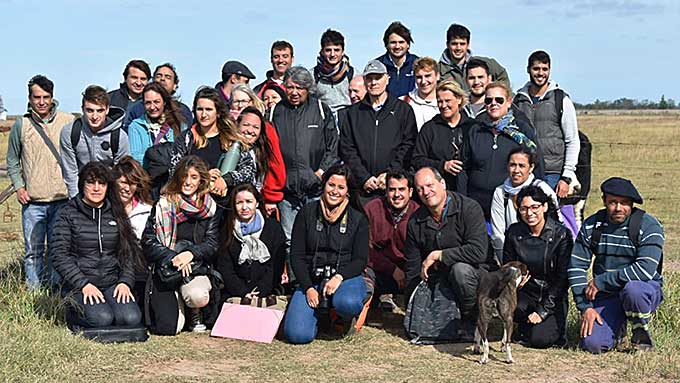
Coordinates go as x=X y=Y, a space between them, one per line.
x=240 y=102
x=499 y=100
x=535 y=208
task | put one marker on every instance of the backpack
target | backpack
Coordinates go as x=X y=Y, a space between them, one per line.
x=432 y=315
x=78 y=128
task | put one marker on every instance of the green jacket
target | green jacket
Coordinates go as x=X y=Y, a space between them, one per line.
x=450 y=71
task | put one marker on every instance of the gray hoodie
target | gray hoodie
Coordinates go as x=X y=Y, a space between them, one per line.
x=91 y=146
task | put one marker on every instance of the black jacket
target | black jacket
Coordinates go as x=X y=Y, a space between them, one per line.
x=85 y=247
x=373 y=142
x=484 y=168
x=309 y=141
x=241 y=279
x=462 y=237
x=311 y=247
x=438 y=142
x=121 y=97
x=546 y=257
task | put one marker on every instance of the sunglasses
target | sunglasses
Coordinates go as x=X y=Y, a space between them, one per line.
x=499 y=100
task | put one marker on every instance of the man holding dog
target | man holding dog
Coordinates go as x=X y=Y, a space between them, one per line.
x=626 y=284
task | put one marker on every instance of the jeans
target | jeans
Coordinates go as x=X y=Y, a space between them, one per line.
x=464 y=279
x=104 y=314
x=288 y=209
x=301 y=320
x=567 y=211
x=37 y=220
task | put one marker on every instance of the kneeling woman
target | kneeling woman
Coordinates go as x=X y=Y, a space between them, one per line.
x=543 y=244
x=96 y=252
x=183 y=230
x=328 y=254
x=254 y=247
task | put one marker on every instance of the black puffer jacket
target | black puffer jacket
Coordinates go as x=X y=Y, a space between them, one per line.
x=546 y=256
x=85 y=247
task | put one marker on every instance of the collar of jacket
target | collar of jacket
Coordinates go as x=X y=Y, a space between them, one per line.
x=387 y=60
x=547 y=232
x=389 y=103
x=450 y=210
x=87 y=209
x=464 y=119
x=33 y=116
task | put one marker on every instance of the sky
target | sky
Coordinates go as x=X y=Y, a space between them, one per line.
x=604 y=50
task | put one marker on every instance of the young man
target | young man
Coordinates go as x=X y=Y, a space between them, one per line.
x=96 y=136
x=281 y=56
x=377 y=134
x=387 y=219
x=477 y=78
x=333 y=72
x=626 y=282
x=423 y=99
x=136 y=75
x=398 y=60
x=457 y=54
x=233 y=72
x=33 y=165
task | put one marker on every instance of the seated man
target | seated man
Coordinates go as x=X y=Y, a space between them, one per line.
x=387 y=220
x=627 y=278
x=448 y=232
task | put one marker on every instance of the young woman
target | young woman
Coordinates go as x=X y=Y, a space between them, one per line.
x=213 y=134
x=272 y=95
x=97 y=253
x=328 y=255
x=183 y=231
x=253 y=247
x=134 y=186
x=162 y=121
x=544 y=245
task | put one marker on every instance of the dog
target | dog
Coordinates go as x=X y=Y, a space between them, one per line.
x=497 y=291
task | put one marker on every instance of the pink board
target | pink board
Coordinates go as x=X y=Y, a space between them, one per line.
x=247 y=323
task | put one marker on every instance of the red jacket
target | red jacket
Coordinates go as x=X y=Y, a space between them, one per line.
x=386 y=240
x=275 y=179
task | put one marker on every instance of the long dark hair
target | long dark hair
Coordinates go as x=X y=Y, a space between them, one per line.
x=227 y=236
x=263 y=147
x=133 y=171
x=128 y=245
x=343 y=171
x=171 y=110
x=225 y=124
x=538 y=195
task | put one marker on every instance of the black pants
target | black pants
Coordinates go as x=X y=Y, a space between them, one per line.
x=464 y=279
x=550 y=332
x=103 y=314
x=384 y=283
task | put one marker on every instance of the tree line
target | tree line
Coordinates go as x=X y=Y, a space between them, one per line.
x=628 y=103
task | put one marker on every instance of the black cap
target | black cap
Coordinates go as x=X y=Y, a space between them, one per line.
x=622 y=188
x=236 y=67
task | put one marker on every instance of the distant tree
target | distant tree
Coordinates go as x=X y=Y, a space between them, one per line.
x=663 y=104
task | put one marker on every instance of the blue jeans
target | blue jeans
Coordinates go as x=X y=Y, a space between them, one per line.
x=37 y=220
x=300 y=323
x=567 y=211
x=104 y=314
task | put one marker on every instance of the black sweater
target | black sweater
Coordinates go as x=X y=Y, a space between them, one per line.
x=311 y=247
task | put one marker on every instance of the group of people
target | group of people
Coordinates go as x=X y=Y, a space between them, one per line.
x=304 y=184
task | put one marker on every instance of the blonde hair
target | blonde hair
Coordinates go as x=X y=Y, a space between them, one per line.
x=257 y=103
x=455 y=88
x=502 y=85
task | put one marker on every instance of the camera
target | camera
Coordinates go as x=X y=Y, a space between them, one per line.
x=323 y=275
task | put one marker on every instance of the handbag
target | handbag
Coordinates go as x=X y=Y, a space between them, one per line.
x=172 y=278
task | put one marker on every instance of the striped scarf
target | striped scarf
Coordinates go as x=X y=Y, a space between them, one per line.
x=168 y=216
x=328 y=73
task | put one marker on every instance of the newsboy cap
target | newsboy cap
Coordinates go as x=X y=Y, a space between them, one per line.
x=622 y=188
x=237 y=67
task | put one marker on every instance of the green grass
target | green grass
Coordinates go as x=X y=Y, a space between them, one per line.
x=35 y=346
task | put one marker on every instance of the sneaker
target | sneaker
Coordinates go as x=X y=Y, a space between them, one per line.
x=387 y=304
x=641 y=340
x=196 y=324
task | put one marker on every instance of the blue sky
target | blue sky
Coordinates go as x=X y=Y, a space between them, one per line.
x=600 y=49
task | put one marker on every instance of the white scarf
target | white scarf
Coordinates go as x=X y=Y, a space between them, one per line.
x=252 y=248
x=513 y=190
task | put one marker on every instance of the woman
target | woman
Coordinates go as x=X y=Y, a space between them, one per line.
x=272 y=95
x=213 y=135
x=183 y=231
x=97 y=254
x=521 y=164
x=162 y=121
x=134 y=186
x=440 y=139
x=544 y=245
x=253 y=247
x=242 y=97
x=486 y=148
x=328 y=254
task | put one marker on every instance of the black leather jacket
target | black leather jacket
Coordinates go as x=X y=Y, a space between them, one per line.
x=546 y=256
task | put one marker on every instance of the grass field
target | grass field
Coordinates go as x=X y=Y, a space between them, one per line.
x=36 y=347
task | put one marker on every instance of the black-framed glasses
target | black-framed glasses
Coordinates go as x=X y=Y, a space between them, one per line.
x=498 y=100
x=535 y=208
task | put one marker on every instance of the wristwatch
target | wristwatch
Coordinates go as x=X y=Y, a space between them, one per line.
x=566 y=179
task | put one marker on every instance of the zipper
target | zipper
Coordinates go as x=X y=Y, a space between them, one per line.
x=375 y=141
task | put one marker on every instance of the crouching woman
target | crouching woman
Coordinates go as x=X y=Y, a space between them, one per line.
x=328 y=254
x=96 y=252
x=182 y=233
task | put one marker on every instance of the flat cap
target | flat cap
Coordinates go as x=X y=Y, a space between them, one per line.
x=622 y=188
x=237 y=67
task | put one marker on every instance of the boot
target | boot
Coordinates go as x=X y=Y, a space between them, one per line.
x=196 y=321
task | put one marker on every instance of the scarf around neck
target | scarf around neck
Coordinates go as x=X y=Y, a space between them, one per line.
x=513 y=190
x=329 y=73
x=169 y=215
x=332 y=215
x=248 y=233
x=508 y=126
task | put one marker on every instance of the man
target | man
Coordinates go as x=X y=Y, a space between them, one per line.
x=446 y=237
x=454 y=59
x=281 y=56
x=166 y=75
x=377 y=134
x=33 y=165
x=477 y=78
x=387 y=218
x=136 y=75
x=333 y=72
x=96 y=136
x=398 y=60
x=308 y=140
x=233 y=72
x=626 y=285
x=423 y=99
x=357 y=89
